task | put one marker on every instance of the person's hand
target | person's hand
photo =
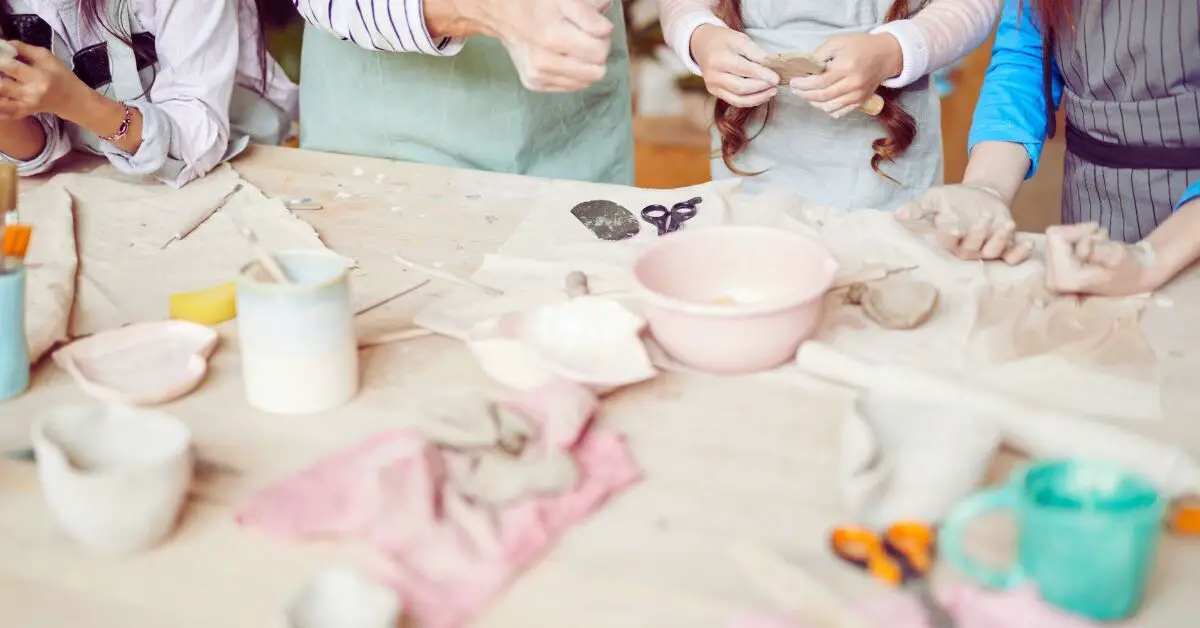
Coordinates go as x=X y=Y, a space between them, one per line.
x=972 y=222
x=732 y=66
x=1081 y=259
x=857 y=65
x=556 y=45
x=36 y=82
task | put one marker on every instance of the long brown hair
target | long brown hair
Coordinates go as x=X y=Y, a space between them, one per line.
x=732 y=121
x=1052 y=15
x=94 y=17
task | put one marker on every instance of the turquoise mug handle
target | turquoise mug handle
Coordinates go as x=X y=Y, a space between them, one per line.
x=950 y=545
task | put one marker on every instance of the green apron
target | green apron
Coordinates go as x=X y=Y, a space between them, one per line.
x=467 y=111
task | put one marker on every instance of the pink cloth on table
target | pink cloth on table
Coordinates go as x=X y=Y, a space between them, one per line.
x=444 y=556
x=970 y=606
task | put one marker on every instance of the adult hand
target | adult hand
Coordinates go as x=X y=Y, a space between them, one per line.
x=36 y=82
x=556 y=45
x=857 y=65
x=1081 y=259
x=732 y=66
x=971 y=221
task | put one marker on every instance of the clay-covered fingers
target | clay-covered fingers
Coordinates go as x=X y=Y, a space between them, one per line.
x=1018 y=252
x=999 y=241
x=970 y=247
x=918 y=211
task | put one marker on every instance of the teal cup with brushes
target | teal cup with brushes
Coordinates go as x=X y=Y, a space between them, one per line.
x=14 y=348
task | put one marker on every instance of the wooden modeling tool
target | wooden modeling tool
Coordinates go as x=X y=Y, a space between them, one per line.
x=790 y=65
x=445 y=276
x=201 y=217
x=268 y=261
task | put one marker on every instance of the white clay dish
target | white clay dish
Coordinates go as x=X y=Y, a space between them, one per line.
x=141 y=364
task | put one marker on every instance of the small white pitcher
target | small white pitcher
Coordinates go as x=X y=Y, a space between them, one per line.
x=114 y=477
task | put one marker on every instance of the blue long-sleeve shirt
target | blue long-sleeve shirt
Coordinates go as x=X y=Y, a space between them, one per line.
x=1012 y=106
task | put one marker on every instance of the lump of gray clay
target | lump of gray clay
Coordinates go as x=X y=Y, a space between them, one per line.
x=7 y=51
x=607 y=220
x=900 y=303
x=895 y=303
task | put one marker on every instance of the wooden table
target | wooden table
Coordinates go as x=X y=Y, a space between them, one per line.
x=724 y=458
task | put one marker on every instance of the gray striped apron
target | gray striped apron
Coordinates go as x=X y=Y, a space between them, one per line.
x=1131 y=70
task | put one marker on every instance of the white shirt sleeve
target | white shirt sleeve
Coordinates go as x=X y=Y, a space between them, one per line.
x=387 y=25
x=185 y=113
x=57 y=145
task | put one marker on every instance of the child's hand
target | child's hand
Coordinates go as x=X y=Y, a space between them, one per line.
x=37 y=82
x=732 y=66
x=857 y=65
x=1080 y=259
x=970 y=221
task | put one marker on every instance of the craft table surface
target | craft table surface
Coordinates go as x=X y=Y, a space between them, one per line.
x=724 y=458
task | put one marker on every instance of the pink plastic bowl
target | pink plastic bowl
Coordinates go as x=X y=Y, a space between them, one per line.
x=733 y=300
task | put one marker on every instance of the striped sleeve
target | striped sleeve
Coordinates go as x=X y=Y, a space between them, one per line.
x=386 y=25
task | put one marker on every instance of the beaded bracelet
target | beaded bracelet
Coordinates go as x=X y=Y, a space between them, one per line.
x=123 y=129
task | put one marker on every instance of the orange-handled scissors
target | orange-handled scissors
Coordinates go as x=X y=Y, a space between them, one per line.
x=902 y=553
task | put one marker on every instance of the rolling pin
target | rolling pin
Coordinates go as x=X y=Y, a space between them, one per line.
x=792 y=65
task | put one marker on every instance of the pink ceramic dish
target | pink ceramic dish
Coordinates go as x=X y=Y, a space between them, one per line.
x=733 y=299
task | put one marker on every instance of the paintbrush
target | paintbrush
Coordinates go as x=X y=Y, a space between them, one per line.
x=204 y=466
x=265 y=259
x=200 y=218
x=14 y=244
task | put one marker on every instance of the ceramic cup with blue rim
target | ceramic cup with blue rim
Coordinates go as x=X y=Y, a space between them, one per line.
x=1088 y=534
x=14 y=348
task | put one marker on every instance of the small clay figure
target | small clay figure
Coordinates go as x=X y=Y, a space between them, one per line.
x=577 y=284
x=899 y=303
x=606 y=219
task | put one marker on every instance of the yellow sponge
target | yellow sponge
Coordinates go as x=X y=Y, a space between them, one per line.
x=207 y=307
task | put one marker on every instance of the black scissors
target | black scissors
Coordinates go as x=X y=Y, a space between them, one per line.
x=670 y=220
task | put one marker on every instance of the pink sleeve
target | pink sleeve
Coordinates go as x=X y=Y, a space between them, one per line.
x=939 y=35
x=681 y=18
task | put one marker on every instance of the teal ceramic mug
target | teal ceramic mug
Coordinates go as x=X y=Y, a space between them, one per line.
x=1087 y=533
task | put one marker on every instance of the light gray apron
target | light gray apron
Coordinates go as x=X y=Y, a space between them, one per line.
x=465 y=111
x=1132 y=97
x=807 y=152
x=251 y=116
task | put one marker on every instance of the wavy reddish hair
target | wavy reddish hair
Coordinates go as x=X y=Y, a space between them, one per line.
x=732 y=121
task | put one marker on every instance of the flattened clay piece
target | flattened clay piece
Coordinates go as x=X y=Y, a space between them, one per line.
x=464 y=426
x=498 y=479
x=790 y=65
x=7 y=51
x=900 y=303
x=607 y=220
